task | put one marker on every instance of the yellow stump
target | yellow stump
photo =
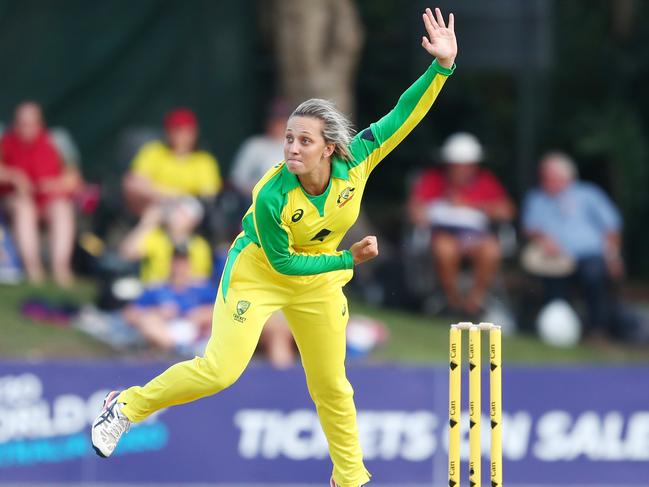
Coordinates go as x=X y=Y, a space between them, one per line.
x=496 y=408
x=474 y=407
x=454 y=405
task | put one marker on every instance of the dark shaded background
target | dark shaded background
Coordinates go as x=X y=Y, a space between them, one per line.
x=531 y=76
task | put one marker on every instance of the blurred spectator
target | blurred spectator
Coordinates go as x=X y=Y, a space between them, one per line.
x=10 y=269
x=161 y=229
x=39 y=182
x=277 y=342
x=460 y=202
x=176 y=168
x=174 y=316
x=574 y=232
x=259 y=153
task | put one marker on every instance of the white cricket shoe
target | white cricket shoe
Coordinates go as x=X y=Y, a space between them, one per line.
x=109 y=426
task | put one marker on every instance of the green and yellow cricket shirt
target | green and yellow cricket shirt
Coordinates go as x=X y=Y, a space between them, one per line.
x=300 y=233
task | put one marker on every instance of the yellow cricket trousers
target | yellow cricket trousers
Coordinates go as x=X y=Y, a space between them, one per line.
x=316 y=310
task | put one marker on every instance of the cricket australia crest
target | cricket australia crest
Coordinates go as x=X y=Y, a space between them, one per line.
x=242 y=307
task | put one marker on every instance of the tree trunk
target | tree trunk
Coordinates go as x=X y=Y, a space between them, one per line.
x=317 y=45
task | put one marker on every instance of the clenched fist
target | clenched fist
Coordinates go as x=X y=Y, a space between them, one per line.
x=366 y=249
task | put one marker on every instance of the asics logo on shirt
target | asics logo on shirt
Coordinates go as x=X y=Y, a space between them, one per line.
x=297 y=216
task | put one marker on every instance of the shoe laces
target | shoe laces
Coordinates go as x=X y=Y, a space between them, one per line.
x=118 y=424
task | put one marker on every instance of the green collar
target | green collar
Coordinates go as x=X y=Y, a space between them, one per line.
x=290 y=181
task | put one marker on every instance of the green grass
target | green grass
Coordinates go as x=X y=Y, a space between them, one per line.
x=24 y=338
x=413 y=338
x=418 y=339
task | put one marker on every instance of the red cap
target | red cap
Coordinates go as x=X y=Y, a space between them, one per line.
x=180 y=117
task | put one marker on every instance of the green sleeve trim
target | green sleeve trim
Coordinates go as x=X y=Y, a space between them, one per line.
x=348 y=258
x=248 y=225
x=442 y=70
x=274 y=238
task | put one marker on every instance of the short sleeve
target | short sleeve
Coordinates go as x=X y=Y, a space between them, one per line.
x=428 y=186
x=492 y=188
x=209 y=181
x=603 y=209
x=146 y=159
x=532 y=213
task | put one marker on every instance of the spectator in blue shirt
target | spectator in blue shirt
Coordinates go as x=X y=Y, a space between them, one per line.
x=174 y=315
x=575 y=220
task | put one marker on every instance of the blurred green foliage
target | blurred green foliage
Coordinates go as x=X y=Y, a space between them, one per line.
x=592 y=102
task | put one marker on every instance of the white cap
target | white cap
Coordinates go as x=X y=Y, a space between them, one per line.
x=462 y=148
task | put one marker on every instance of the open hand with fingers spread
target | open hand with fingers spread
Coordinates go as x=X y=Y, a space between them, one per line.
x=365 y=250
x=441 y=41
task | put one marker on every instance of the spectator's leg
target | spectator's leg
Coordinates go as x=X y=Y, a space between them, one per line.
x=24 y=218
x=448 y=256
x=61 y=228
x=485 y=257
x=592 y=275
x=555 y=288
x=277 y=341
x=151 y=326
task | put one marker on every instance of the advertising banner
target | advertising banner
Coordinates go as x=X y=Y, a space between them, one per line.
x=572 y=426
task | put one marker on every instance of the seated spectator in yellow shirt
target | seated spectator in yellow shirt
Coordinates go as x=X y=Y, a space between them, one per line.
x=162 y=229
x=163 y=170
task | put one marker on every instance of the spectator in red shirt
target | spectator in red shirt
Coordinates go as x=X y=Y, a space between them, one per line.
x=38 y=185
x=460 y=201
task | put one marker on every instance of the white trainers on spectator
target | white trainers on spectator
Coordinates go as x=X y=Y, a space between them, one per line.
x=109 y=426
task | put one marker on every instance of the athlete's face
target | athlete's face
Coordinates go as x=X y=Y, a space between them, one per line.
x=305 y=148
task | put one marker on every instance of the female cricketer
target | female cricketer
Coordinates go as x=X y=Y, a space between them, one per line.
x=286 y=259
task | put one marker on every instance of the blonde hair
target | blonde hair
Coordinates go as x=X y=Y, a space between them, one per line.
x=337 y=130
